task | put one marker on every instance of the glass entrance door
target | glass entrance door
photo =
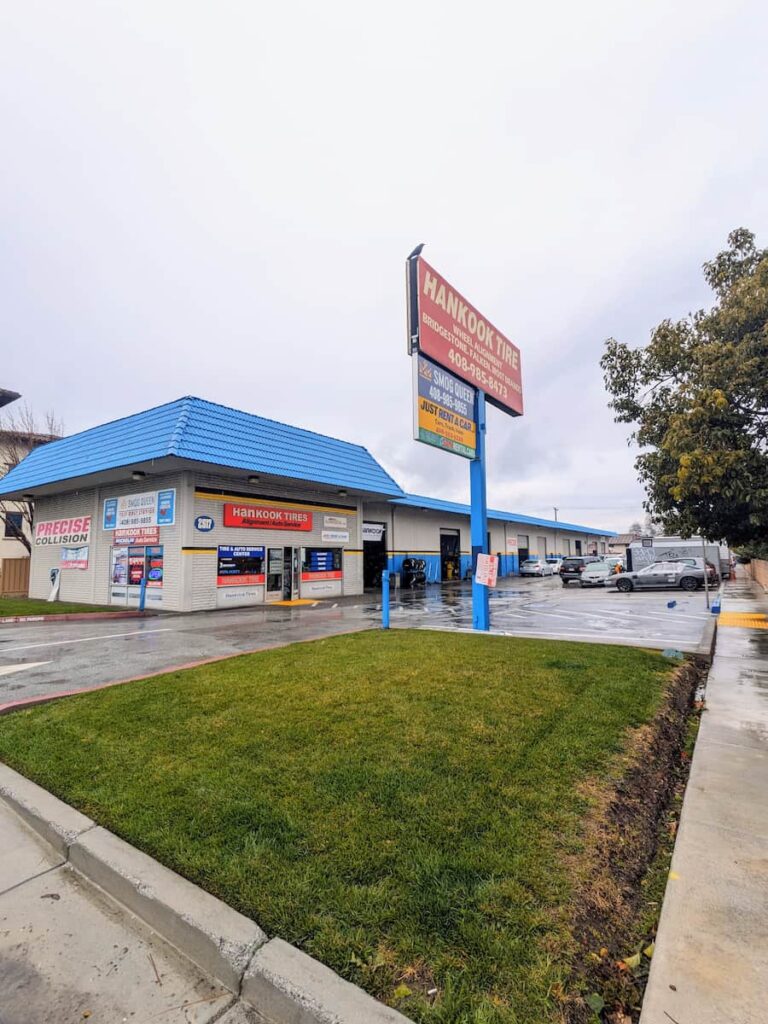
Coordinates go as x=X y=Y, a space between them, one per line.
x=274 y=574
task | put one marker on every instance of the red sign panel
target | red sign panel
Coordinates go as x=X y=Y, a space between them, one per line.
x=265 y=517
x=329 y=574
x=254 y=579
x=451 y=331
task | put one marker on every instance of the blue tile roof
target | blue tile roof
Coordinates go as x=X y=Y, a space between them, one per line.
x=191 y=428
x=437 y=505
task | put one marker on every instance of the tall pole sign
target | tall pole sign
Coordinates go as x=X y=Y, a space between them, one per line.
x=461 y=361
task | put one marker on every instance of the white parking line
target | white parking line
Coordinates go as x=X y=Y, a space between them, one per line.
x=668 y=615
x=615 y=612
x=86 y=639
x=6 y=670
x=639 y=641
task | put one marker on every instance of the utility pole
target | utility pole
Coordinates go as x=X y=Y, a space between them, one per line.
x=555 y=509
x=706 y=574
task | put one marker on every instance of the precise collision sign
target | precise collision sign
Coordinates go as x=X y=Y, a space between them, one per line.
x=445 y=327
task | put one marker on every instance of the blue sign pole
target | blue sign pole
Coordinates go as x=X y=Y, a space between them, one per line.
x=479 y=517
x=142 y=593
x=385 y=599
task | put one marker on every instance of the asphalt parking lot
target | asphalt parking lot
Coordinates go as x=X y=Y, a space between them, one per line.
x=42 y=659
x=545 y=608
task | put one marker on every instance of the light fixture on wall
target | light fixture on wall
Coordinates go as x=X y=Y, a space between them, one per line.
x=138 y=474
x=27 y=497
x=254 y=478
x=342 y=492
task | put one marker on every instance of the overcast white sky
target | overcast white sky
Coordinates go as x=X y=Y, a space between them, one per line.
x=218 y=198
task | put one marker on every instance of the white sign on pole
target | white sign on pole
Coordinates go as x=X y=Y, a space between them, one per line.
x=487 y=570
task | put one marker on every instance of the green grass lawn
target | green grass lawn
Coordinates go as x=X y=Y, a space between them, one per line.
x=405 y=806
x=34 y=606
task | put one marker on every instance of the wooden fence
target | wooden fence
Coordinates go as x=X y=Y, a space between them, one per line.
x=14 y=577
x=758 y=570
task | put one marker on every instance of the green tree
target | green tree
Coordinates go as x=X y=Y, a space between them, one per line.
x=697 y=396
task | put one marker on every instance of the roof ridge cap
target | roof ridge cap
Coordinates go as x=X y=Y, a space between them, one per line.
x=181 y=425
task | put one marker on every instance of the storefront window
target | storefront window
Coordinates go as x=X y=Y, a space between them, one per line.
x=154 y=567
x=240 y=566
x=321 y=564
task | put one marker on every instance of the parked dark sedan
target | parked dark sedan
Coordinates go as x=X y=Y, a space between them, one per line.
x=573 y=567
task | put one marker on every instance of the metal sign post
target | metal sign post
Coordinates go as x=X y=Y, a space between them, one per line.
x=460 y=359
x=479 y=518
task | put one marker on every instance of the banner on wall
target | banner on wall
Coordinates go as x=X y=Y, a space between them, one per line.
x=139 y=535
x=511 y=545
x=267 y=517
x=63 y=531
x=335 y=536
x=74 y=558
x=373 y=532
x=132 y=511
x=335 y=521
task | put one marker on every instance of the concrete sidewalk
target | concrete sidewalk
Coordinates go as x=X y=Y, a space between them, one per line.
x=711 y=959
x=68 y=953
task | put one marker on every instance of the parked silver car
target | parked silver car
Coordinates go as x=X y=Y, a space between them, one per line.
x=682 y=575
x=596 y=574
x=536 y=567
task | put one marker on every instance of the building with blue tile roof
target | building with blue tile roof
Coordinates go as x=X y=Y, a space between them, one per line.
x=214 y=507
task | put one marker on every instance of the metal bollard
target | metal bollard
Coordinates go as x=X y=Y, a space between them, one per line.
x=385 y=599
x=142 y=593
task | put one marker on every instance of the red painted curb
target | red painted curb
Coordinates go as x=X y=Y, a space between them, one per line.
x=74 y=617
x=47 y=698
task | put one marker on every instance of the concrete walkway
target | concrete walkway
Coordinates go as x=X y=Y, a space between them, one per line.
x=711 y=959
x=70 y=954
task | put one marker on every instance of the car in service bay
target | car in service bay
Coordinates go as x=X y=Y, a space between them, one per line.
x=535 y=567
x=680 y=575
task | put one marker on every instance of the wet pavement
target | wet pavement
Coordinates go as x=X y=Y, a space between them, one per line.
x=710 y=965
x=40 y=659
x=545 y=608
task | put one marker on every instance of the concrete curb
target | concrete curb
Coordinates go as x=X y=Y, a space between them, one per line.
x=706 y=648
x=10 y=620
x=282 y=984
x=210 y=933
x=290 y=987
x=59 y=824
